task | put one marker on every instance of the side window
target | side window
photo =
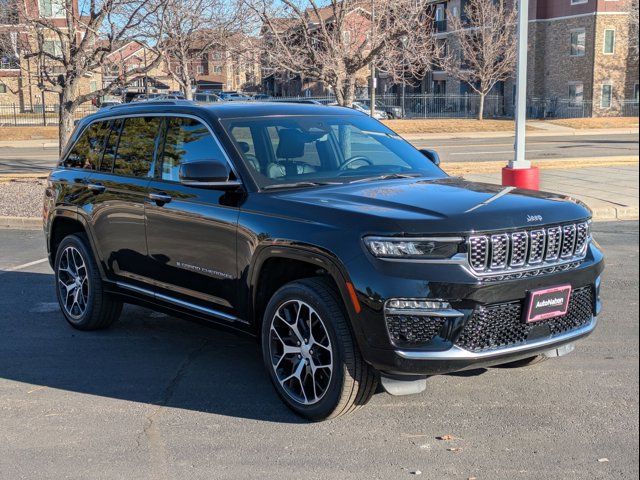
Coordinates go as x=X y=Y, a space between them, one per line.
x=106 y=165
x=87 y=150
x=187 y=140
x=137 y=143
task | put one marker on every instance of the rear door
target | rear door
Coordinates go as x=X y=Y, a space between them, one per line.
x=120 y=188
x=191 y=232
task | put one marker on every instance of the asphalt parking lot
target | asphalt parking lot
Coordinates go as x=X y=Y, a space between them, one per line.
x=157 y=397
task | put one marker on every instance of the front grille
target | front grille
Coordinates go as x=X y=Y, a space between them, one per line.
x=412 y=330
x=500 y=326
x=504 y=252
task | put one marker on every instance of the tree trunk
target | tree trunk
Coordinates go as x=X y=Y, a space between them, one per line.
x=66 y=110
x=481 y=109
x=345 y=90
x=188 y=93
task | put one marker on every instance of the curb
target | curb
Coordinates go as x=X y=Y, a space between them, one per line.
x=21 y=223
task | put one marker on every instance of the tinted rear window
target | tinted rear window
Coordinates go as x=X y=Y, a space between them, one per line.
x=87 y=151
x=137 y=143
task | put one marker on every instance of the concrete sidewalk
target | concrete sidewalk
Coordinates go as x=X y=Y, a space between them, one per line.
x=611 y=192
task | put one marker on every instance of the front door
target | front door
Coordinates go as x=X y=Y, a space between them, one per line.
x=119 y=189
x=191 y=232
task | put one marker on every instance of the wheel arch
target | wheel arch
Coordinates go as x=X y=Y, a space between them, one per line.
x=267 y=275
x=67 y=222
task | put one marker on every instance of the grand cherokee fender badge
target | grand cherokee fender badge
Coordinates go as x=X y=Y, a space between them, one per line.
x=203 y=270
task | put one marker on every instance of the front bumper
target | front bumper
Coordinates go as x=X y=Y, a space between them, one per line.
x=446 y=353
x=422 y=363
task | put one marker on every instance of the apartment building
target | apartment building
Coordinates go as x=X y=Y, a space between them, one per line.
x=20 y=77
x=580 y=52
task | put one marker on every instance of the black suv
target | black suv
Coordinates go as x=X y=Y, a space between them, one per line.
x=349 y=254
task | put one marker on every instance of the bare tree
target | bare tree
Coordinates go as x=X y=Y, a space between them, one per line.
x=335 y=41
x=73 y=42
x=195 y=28
x=482 y=46
x=633 y=27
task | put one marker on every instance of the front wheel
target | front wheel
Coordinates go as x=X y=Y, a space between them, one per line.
x=309 y=351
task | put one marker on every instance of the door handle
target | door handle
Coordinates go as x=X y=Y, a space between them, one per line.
x=96 y=187
x=160 y=198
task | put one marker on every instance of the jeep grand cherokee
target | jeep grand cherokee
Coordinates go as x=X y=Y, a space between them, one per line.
x=349 y=254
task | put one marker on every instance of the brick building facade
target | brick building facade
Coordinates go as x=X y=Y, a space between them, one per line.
x=19 y=76
x=580 y=52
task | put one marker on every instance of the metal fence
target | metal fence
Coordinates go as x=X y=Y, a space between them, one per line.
x=410 y=106
x=35 y=115
x=425 y=105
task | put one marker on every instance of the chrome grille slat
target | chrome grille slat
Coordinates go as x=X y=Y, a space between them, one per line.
x=540 y=249
x=568 y=241
x=499 y=251
x=519 y=247
x=554 y=241
x=538 y=241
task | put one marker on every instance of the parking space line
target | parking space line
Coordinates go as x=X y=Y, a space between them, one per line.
x=24 y=265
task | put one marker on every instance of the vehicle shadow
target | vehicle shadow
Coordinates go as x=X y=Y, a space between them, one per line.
x=145 y=357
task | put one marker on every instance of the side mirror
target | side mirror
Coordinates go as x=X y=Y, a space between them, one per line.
x=207 y=173
x=431 y=155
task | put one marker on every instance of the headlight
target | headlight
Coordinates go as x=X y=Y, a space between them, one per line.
x=413 y=248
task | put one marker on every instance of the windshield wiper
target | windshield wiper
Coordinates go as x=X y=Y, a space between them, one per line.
x=388 y=176
x=299 y=184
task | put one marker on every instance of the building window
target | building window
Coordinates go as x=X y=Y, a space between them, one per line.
x=576 y=93
x=8 y=51
x=636 y=92
x=8 y=12
x=52 y=8
x=52 y=47
x=607 y=95
x=609 y=41
x=217 y=70
x=578 y=42
x=3 y=88
x=200 y=69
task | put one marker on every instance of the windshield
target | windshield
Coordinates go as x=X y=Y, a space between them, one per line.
x=324 y=150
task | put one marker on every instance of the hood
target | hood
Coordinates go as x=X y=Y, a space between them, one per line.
x=448 y=205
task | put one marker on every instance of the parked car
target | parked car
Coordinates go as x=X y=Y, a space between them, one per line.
x=262 y=97
x=391 y=111
x=206 y=97
x=378 y=114
x=350 y=255
x=234 y=97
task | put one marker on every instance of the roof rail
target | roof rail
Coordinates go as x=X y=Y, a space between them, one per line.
x=150 y=102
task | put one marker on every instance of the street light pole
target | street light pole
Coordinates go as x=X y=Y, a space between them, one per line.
x=372 y=87
x=521 y=88
x=519 y=172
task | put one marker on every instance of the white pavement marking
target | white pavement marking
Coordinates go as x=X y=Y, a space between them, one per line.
x=25 y=265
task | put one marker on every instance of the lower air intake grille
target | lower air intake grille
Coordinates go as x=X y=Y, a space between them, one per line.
x=500 y=326
x=413 y=331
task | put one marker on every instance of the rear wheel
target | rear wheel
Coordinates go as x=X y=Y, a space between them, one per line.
x=309 y=351
x=80 y=290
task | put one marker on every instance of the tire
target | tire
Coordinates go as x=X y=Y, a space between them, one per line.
x=76 y=271
x=525 y=362
x=347 y=384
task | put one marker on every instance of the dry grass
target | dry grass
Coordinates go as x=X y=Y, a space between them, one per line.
x=586 y=123
x=466 y=168
x=449 y=125
x=9 y=134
